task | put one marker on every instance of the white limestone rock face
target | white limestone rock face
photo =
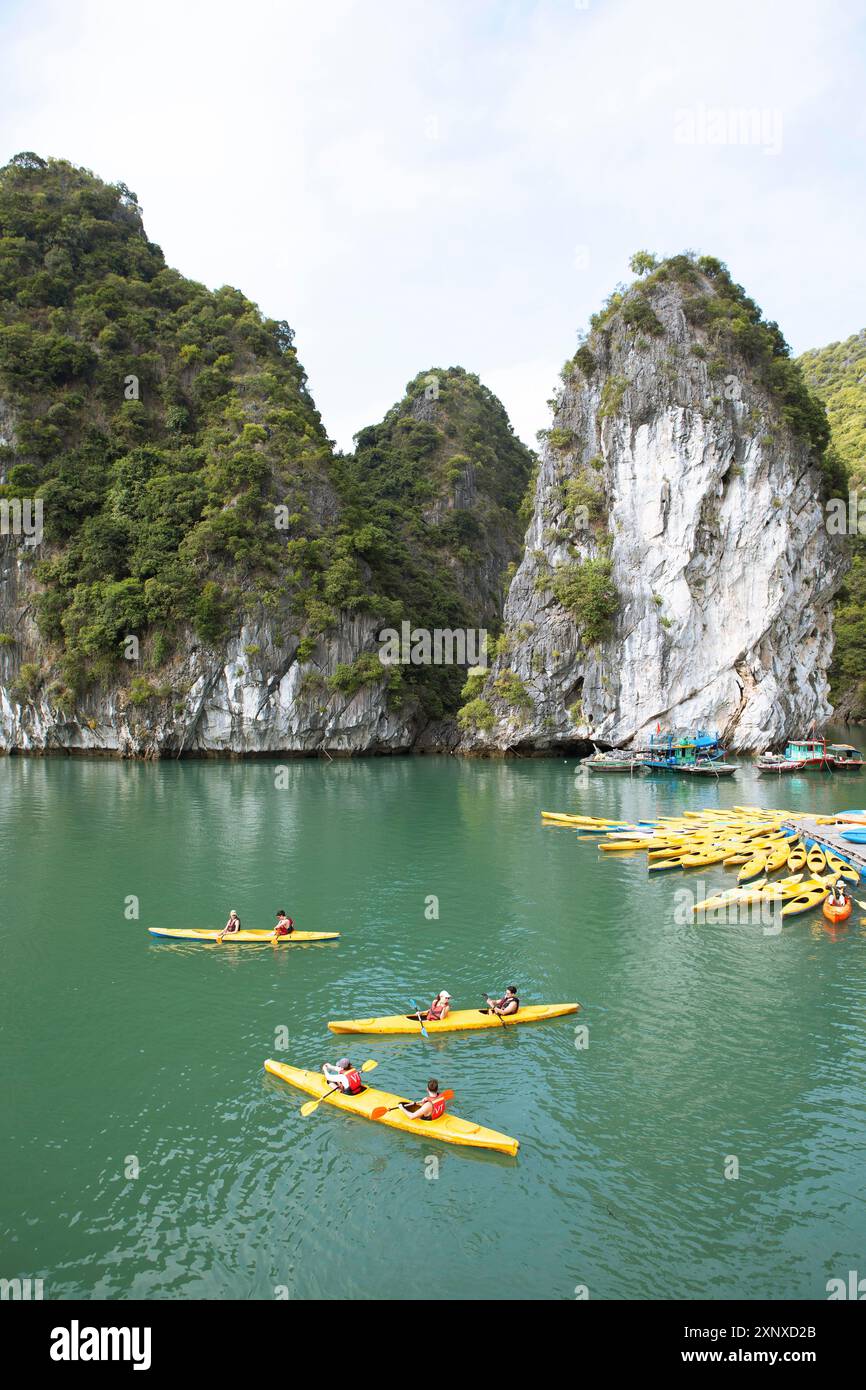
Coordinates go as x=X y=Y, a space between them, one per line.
x=251 y=696
x=723 y=567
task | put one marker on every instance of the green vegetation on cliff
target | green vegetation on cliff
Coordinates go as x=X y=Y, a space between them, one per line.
x=838 y=374
x=184 y=471
x=442 y=477
x=733 y=330
x=160 y=422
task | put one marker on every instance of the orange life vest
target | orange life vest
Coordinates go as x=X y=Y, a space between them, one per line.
x=355 y=1083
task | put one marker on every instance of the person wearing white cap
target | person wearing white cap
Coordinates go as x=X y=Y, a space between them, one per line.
x=232 y=925
x=439 y=1009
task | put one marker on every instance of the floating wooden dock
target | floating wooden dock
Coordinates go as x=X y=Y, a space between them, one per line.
x=828 y=837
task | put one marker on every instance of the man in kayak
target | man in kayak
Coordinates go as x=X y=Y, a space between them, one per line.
x=232 y=925
x=284 y=926
x=439 y=1009
x=344 y=1077
x=837 y=897
x=508 y=1004
x=430 y=1108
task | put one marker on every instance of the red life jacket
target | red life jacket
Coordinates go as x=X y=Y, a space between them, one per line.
x=355 y=1082
x=435 y=1012
x=438 y=1107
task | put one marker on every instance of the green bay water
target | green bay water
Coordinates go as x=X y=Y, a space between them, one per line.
x=704 y=1041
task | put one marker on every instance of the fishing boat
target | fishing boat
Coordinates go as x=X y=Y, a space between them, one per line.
x=810 y=752
x=685 y=753
x=844 y=757
x=777 y=762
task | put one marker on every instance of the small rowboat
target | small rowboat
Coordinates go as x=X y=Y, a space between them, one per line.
x=244 y=938
x=774 y=762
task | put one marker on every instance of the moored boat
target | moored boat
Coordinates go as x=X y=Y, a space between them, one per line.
x=685 y=753
x=710 y=767
x=811 y=752
x=777 y=762
x=614 y=762
x=844 y=757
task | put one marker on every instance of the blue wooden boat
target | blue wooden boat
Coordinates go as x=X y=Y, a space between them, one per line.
x=690 y=753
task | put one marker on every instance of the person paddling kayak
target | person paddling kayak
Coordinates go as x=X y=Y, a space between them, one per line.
x=508 y=1004
x=837 y=897
x=432 y=1107
x=344 y=1076
x=232 y=925
x=438 y=1010
x=284 y=926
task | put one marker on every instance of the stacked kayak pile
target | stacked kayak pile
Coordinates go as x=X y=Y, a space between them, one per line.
x=752 y=840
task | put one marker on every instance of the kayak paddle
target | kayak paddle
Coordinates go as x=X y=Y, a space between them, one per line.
x=413 y=1005
x=309 y=1106
x=386 y=1109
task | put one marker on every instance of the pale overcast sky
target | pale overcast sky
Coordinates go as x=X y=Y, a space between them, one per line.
x=417 y=184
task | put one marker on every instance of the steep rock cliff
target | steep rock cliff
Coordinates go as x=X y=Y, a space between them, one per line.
x=837 y=373
x=212 y=577
x=678 y=570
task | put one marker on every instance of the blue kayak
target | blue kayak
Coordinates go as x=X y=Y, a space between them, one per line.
x=856 y=837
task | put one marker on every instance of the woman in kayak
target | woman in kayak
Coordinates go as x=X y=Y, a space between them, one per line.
x=344 y=1076
x=232 y=925
x=439 y=1009
x=430 y=1108
x=837 y=896
x=508 y=1004
x=284 y=926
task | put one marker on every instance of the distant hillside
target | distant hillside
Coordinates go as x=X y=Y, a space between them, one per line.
x=444 y=476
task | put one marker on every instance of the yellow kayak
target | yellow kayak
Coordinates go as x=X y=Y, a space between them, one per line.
x=816 y=859
x=797 y=858
x=730 y=896
x=812 y=896
x=841 y=868
x=754 y=866
x=777 y=858
x=461 y=1020
x=449 y=1128
x=243 y=938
